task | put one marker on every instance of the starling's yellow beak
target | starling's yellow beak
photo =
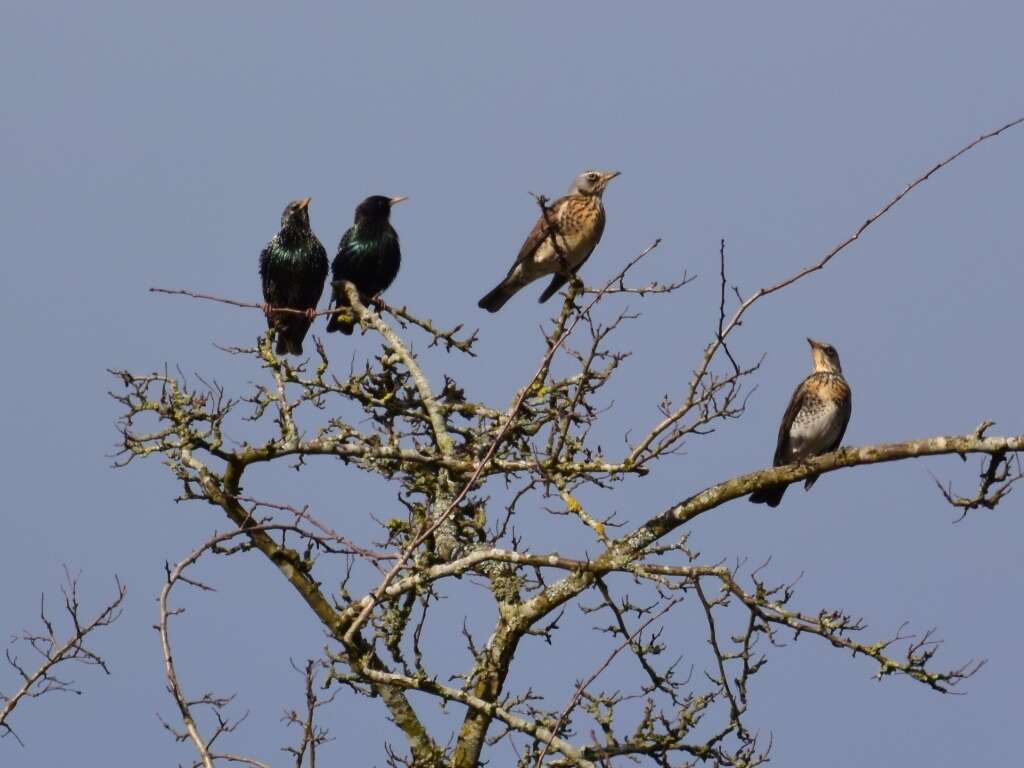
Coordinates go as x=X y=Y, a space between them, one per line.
x=397 y=200
x=304 y=203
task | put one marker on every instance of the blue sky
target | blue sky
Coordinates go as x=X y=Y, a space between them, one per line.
x=144 y=146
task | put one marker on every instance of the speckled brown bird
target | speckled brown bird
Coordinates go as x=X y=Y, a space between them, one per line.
x=560 y=242
x=815 y=420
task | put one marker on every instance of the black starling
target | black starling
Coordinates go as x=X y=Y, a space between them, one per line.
x=293 y=268
x=368 y=257
x=559 y=243
x=815 y=420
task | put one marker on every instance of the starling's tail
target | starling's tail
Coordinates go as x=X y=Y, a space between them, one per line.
x=770 y=496
x=287 y=346
x=810 y=481
x=496 y=299
x=290 y=333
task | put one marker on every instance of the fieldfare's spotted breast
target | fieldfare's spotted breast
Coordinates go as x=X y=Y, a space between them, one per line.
x=822 y=417
x=577 y=222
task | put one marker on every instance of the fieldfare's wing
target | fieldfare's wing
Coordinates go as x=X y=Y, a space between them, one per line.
x=542 y=229
x=846 y=406
x=796 y=402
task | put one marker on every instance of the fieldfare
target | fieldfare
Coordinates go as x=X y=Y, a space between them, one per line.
x=368 y=257
x=815 y=420
x=293 y=267
x=560 y=242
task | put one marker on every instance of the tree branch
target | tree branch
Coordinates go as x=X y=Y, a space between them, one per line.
x=56 y=652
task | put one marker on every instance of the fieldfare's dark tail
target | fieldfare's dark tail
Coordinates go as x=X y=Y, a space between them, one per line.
x=770 y=496
x=810 y=481
x=554 y=287
x=496 y=299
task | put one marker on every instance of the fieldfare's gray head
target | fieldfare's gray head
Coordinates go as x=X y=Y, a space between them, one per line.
x=591 y=182
x=825 y=357
x=296 y=214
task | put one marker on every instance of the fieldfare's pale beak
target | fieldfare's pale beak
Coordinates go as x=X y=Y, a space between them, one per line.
x=397 y=200
x=610 y=175
x=813 y=343
x=304 y=203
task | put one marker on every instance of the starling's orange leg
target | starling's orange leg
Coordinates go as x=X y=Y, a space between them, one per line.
x=311 y=314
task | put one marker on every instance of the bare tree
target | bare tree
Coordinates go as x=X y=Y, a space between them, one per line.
x=440 y=448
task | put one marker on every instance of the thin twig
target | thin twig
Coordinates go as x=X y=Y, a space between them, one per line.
x=55 y=652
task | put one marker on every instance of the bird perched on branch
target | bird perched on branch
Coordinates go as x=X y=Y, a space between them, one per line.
x=293 y=267
x=368 y=257
x=815 y=420
x=560 y=242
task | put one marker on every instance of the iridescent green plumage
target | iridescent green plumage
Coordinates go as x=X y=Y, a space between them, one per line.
x=293 y=268
x=368 y=256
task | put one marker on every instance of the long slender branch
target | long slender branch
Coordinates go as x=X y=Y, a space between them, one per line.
x=723 y=332
x=445 y=338
x=632 y=545
x=497 y=555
